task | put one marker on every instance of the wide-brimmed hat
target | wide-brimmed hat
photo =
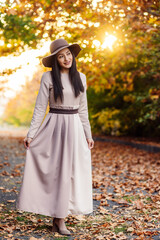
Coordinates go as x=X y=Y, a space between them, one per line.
x=58 y=45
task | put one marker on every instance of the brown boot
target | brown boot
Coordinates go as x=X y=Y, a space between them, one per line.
x=60 y=227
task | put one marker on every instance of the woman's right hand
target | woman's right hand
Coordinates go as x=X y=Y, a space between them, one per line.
x=27 y=142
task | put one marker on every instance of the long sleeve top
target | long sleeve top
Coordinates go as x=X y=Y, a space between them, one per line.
x=46 y=95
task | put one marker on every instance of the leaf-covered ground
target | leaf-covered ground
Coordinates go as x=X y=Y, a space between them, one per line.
x=126 y=193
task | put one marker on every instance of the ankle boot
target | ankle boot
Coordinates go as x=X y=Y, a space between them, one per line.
x=56 y=228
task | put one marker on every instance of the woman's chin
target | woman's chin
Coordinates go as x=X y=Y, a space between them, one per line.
x=67 y=66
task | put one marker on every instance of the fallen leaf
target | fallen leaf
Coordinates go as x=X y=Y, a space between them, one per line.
x=11 y=201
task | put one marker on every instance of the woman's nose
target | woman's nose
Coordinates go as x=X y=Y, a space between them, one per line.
x=66 y=57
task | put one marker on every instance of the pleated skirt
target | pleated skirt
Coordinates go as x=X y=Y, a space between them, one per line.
x=57 y=179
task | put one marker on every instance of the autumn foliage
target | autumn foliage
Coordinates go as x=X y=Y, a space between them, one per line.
x=123 y=84
x=126 y=194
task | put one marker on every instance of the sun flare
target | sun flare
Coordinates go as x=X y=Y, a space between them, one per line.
x=108 y=42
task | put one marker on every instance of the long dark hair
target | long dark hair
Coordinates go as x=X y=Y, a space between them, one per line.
x=74 y=76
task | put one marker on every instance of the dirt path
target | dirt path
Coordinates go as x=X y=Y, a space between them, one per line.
x=126 y=195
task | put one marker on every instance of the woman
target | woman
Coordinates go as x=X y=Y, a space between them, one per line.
x=57 y=178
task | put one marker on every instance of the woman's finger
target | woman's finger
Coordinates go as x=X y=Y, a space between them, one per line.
x=92 y=143
x=25 y=141
x=29 y=140
x=25 y=144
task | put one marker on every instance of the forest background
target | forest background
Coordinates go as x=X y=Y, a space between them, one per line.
x=123 y=76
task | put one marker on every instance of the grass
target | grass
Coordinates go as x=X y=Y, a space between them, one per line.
x=40 y=227
x=122 y=228
x=131 y=198
x=108 y=218
x=20 y=218
x=148 y=199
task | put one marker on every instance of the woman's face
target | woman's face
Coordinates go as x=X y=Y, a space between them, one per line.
x=65 y=58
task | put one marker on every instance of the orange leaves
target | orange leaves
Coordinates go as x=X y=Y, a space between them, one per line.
x=5 y=173
x=132 y=176
x=16 y=172
x=96 y=183
x=102 y=198
x=97 y=197
x=11 y=11
x=11 y=201
x=138 y=204
x=128 y=98
x=124 y=180
x=155 y=93
x=105 y=225
x=103 y=210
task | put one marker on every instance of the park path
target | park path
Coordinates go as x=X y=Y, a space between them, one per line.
x=126 y=193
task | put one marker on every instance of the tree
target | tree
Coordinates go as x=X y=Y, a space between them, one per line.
x=127 y=78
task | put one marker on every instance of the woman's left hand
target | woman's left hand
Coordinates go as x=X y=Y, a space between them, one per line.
x=90 y=143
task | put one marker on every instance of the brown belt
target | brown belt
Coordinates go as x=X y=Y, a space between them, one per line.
x=63 y=111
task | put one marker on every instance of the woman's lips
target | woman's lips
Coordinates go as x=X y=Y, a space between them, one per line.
x=67 y=63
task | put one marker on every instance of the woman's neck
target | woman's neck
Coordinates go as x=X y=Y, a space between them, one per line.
x=64 y=70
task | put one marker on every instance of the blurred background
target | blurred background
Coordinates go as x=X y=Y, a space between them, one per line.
x=120 y=57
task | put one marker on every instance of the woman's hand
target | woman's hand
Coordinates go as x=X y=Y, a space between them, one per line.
x=90 y=143
x=27 y=142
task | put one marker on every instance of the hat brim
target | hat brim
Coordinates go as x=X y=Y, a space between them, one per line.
x=75 y=48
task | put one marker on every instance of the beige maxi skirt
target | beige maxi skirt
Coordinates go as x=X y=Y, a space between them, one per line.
x=57 y=179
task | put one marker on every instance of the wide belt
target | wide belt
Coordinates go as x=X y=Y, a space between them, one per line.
x=63 y=110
